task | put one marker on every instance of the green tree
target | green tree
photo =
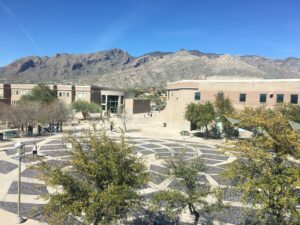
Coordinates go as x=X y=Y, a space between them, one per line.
x=86 y=107
x=200 y=114
x=100 y=184
x=291 y=111
x=224 y=107
x=264 y=171
x=193 y=193
x=40 y=93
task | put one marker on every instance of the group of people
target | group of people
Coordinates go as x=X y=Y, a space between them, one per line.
x=50 y=128
x=54 y=128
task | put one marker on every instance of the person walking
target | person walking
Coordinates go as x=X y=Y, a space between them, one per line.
x=111 y=126
x=40 y=130
x=34 y=151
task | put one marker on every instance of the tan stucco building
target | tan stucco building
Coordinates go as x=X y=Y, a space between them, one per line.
x=109 y=99
x=242 y=93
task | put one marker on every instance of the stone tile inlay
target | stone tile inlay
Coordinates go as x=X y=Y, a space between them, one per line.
x=6 y=167
x=154 y=150
x=28 y=188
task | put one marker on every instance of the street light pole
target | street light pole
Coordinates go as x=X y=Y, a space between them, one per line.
x=20 y=151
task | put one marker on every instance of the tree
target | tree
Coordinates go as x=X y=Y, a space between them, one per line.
x=200 y=114
x=291 y=111
x=32 y=113
x=100 y=185
x=224 y=107
x=86 y=107
x=40 y=93
x=22 y=115
x=193 y=194
x=55 y=112
x=124 y=116
x=263 y=170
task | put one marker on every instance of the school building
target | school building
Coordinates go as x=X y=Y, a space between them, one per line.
x=109 y=99
x=254 y=93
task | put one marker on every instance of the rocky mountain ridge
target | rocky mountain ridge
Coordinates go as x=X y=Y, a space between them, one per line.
x=117 y=68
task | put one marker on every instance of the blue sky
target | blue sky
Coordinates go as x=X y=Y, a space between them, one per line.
x=269 y=28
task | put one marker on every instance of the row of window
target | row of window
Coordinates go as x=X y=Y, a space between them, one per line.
x=20 y=92
x=262 y=97
x=279 y=98
x=81 y=95
x=103 y=99
x=63 y=94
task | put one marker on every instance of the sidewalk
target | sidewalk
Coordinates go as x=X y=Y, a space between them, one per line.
x=10 y=219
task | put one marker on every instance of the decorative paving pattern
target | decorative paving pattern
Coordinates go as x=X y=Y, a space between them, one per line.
x=6 y=167
x=27 y=209
x=28 y=188
x=154 y=150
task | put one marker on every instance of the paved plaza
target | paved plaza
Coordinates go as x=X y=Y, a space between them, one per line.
x=153 y=150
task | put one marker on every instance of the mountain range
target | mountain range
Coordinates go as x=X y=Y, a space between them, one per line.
x=117 y=68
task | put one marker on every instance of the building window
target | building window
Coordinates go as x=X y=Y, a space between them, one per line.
x=197 y=95
x=263 y=98
x=242 y=97
x=59 y=94
x=68 y=94
x=279 y=98
x=294 y=99
x=81 y=95
x=220 y=95
x=103 y=99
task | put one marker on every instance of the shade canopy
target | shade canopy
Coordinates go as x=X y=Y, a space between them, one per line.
x=233 y=121
x=294 y=125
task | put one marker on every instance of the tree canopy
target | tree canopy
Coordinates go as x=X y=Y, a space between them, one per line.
x=86 y=107
x=290 y=111
x=264 y=170
x=193 y=193
x=32 y=112
x=200 y=114
x=100 y=185
x=40 y=93
x=223 y=105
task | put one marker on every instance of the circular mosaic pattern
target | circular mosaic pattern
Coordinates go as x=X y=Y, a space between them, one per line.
x=152 y=150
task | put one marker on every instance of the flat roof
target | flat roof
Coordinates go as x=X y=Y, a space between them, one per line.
x=236 y=81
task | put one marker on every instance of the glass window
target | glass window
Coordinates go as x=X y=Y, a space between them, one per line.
x=221 y=95
x=59 y=94
x=103 y=98
x=279 y=98
x=197 y=95
x=68 y=94
x=294 y=99
x=263 y=98
x=242 y=97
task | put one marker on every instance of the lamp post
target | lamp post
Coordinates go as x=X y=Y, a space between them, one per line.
x=20 y=152
x=73 y=124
